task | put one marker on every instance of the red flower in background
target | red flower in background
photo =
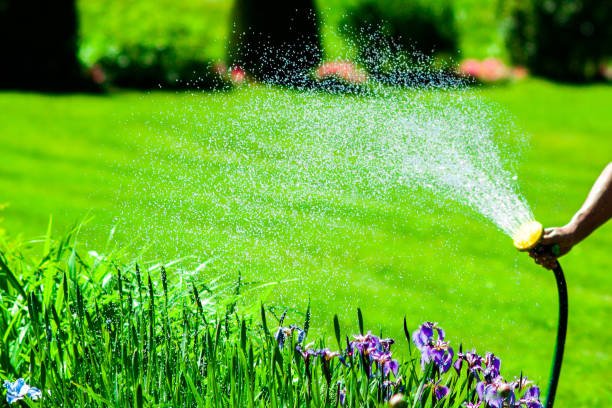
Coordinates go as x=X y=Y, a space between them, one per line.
x=97 y=74
x=237 y=74
x=606 y=71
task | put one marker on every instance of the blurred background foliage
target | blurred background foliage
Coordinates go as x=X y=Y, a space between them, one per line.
x=397 y=35
x=194 y=29
x=143 y=44
x=198 y=28
x=562 y=40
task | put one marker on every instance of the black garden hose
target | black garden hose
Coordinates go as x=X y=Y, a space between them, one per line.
x=529 y=238
x=561 y=334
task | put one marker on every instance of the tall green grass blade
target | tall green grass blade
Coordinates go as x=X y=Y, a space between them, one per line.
x=10 y=277
x=47 y=243
x=337 y=331
x=307 y=320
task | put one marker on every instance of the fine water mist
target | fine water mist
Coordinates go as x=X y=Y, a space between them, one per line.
x=240 y=169
x=312 y=186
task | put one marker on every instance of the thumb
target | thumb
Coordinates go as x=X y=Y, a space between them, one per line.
x=551 y=236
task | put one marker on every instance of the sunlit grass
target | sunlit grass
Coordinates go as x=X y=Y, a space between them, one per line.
x=66 y=156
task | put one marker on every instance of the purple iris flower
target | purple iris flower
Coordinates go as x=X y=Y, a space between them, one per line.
x=521 y=383
x=424 y=335
x=391 y=388
x=442 y=356
x=439 y=353
x=283 y=333
x=460 y=357
x=19 y=389
x=439 y=391
x=433 y=350
x=471 y=404
x=386 y=344
x=531 y=399
x=389 y=383
x=341 y=394
x=498 y=394
x=480 y=390
x=366 y=343
x=327 y=355
x=280 y=337
x=492 y=367
x=473 y=361
x=307 y=353
x=360 y=348
x=385 y=362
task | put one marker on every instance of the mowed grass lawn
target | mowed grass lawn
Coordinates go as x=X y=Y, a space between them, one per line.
x=66 y=156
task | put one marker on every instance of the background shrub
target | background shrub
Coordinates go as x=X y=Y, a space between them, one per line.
x=144 y=67
x=390 y=36
x=561 y=39
x=144 y=44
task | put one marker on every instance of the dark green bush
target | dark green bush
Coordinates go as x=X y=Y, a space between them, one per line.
x=275 y=41
x=144 y=44
x=145 y=67
x=561 y=39
x=393 y=37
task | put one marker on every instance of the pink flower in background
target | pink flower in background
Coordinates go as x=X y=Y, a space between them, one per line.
x=343 y=70
x=220 y=68
x=470 y=67
x=490 y=70
x=237 y=74
x=519 y=72
x=493 y=69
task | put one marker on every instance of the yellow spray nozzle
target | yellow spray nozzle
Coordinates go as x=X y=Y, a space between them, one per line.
x=528 y=236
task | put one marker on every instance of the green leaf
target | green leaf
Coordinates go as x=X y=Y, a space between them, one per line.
x=263 y=321
x=93 y=395
x=243 y=334
x=194 y=391
x=360 y=320
x=139 y=398
x=11 y=277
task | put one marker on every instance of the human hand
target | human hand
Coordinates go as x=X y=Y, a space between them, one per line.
x=563 y=237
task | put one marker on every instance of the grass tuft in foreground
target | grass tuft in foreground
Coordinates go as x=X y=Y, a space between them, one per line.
x=91 y=331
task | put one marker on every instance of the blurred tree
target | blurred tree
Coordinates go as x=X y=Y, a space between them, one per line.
x=561 y=39
x=38 y=39
x=396 y=37
x=275 y=40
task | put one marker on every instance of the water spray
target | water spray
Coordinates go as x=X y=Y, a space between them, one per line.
x=529 y=238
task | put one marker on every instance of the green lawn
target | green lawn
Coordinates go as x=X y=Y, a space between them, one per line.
x=124 y=157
